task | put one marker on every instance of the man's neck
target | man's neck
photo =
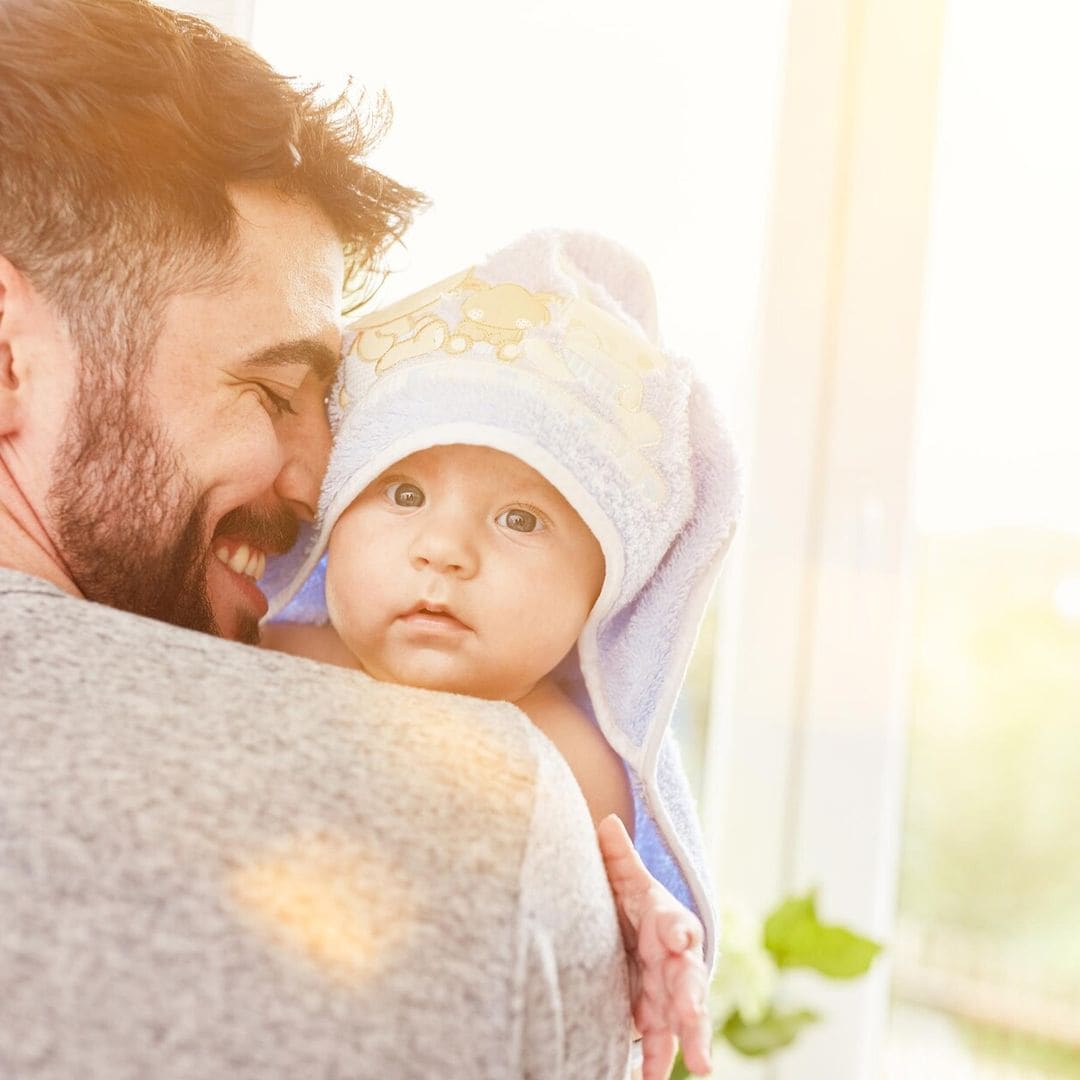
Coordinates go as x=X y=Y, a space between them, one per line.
x=25 y=545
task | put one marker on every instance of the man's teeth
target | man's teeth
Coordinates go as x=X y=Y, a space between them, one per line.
x=244 y=560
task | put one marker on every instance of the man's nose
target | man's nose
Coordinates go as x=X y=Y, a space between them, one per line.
x=305 y=443
x=445 y=543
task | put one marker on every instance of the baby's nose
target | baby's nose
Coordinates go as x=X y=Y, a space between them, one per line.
x=447 y=548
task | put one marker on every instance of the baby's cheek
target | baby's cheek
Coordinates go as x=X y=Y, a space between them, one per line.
x=344 y=601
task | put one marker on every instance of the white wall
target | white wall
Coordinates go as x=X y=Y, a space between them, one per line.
x=232 y=16
x=655 y=126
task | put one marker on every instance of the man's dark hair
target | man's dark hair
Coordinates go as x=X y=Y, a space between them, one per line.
x=123 y=124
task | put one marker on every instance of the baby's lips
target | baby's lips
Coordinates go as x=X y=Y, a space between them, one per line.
x=427 y=607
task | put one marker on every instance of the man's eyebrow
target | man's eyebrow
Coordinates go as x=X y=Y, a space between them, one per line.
x=315 y=354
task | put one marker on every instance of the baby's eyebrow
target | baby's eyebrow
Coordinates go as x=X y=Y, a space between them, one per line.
x=322 y=360
x=532 y=488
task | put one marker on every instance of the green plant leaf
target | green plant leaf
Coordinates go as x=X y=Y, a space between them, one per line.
x=773 y=1032
x=796 y=938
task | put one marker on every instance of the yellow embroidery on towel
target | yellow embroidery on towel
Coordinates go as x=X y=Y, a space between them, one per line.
x=406 y=329
x=615 y=360
x=498 y=315
x=597 y=349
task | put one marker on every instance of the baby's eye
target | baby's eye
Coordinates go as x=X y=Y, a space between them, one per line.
x=405 y=494
x=520 y=520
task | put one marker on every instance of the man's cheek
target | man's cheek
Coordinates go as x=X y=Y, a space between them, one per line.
x=254 y=453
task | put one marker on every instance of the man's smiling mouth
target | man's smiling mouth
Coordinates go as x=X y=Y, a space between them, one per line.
x=244 y=538
x=241 y=558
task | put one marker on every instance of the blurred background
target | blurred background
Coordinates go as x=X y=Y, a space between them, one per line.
x=862 y=219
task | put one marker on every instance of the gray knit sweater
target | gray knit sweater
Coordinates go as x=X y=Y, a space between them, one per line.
x=222 y=862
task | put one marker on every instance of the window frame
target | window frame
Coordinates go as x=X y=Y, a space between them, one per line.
x=804 y=768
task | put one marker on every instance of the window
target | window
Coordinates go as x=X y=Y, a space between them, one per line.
x=987 y=978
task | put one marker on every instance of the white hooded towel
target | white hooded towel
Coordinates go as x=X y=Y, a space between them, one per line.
x=548 y=351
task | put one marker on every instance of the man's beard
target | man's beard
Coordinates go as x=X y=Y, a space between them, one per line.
x=129 y=523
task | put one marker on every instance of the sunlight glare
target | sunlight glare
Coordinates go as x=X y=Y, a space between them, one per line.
x=1067 y=598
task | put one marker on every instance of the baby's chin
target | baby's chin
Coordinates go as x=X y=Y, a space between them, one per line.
x=468 y=683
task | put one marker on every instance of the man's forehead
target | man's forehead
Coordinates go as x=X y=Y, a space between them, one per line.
x=288 y=266
x=275 y=228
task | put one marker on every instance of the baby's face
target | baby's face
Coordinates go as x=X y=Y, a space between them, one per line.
x=462 y=569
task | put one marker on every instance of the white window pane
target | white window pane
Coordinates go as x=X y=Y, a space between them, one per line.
x=988 y=963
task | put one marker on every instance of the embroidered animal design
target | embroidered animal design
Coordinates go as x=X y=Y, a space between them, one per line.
x=614 y=360
x=607 y=344
x=406 y=329
x=463 y=311
x=500 y=315
x=497 y=315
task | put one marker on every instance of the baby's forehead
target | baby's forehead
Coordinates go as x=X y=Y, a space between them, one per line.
x=457 y=459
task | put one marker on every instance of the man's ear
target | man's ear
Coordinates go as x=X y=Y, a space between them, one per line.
x=11 y=287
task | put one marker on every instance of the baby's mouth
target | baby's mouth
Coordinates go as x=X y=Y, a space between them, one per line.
x=433 y=615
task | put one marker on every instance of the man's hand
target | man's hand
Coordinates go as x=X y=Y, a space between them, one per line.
x=668 y=982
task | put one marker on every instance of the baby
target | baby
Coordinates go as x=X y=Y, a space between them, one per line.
x=528 y=501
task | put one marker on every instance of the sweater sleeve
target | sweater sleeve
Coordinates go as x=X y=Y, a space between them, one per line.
x=571 y=995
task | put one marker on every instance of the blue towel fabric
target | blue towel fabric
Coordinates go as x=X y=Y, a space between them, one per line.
x=549 y=351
